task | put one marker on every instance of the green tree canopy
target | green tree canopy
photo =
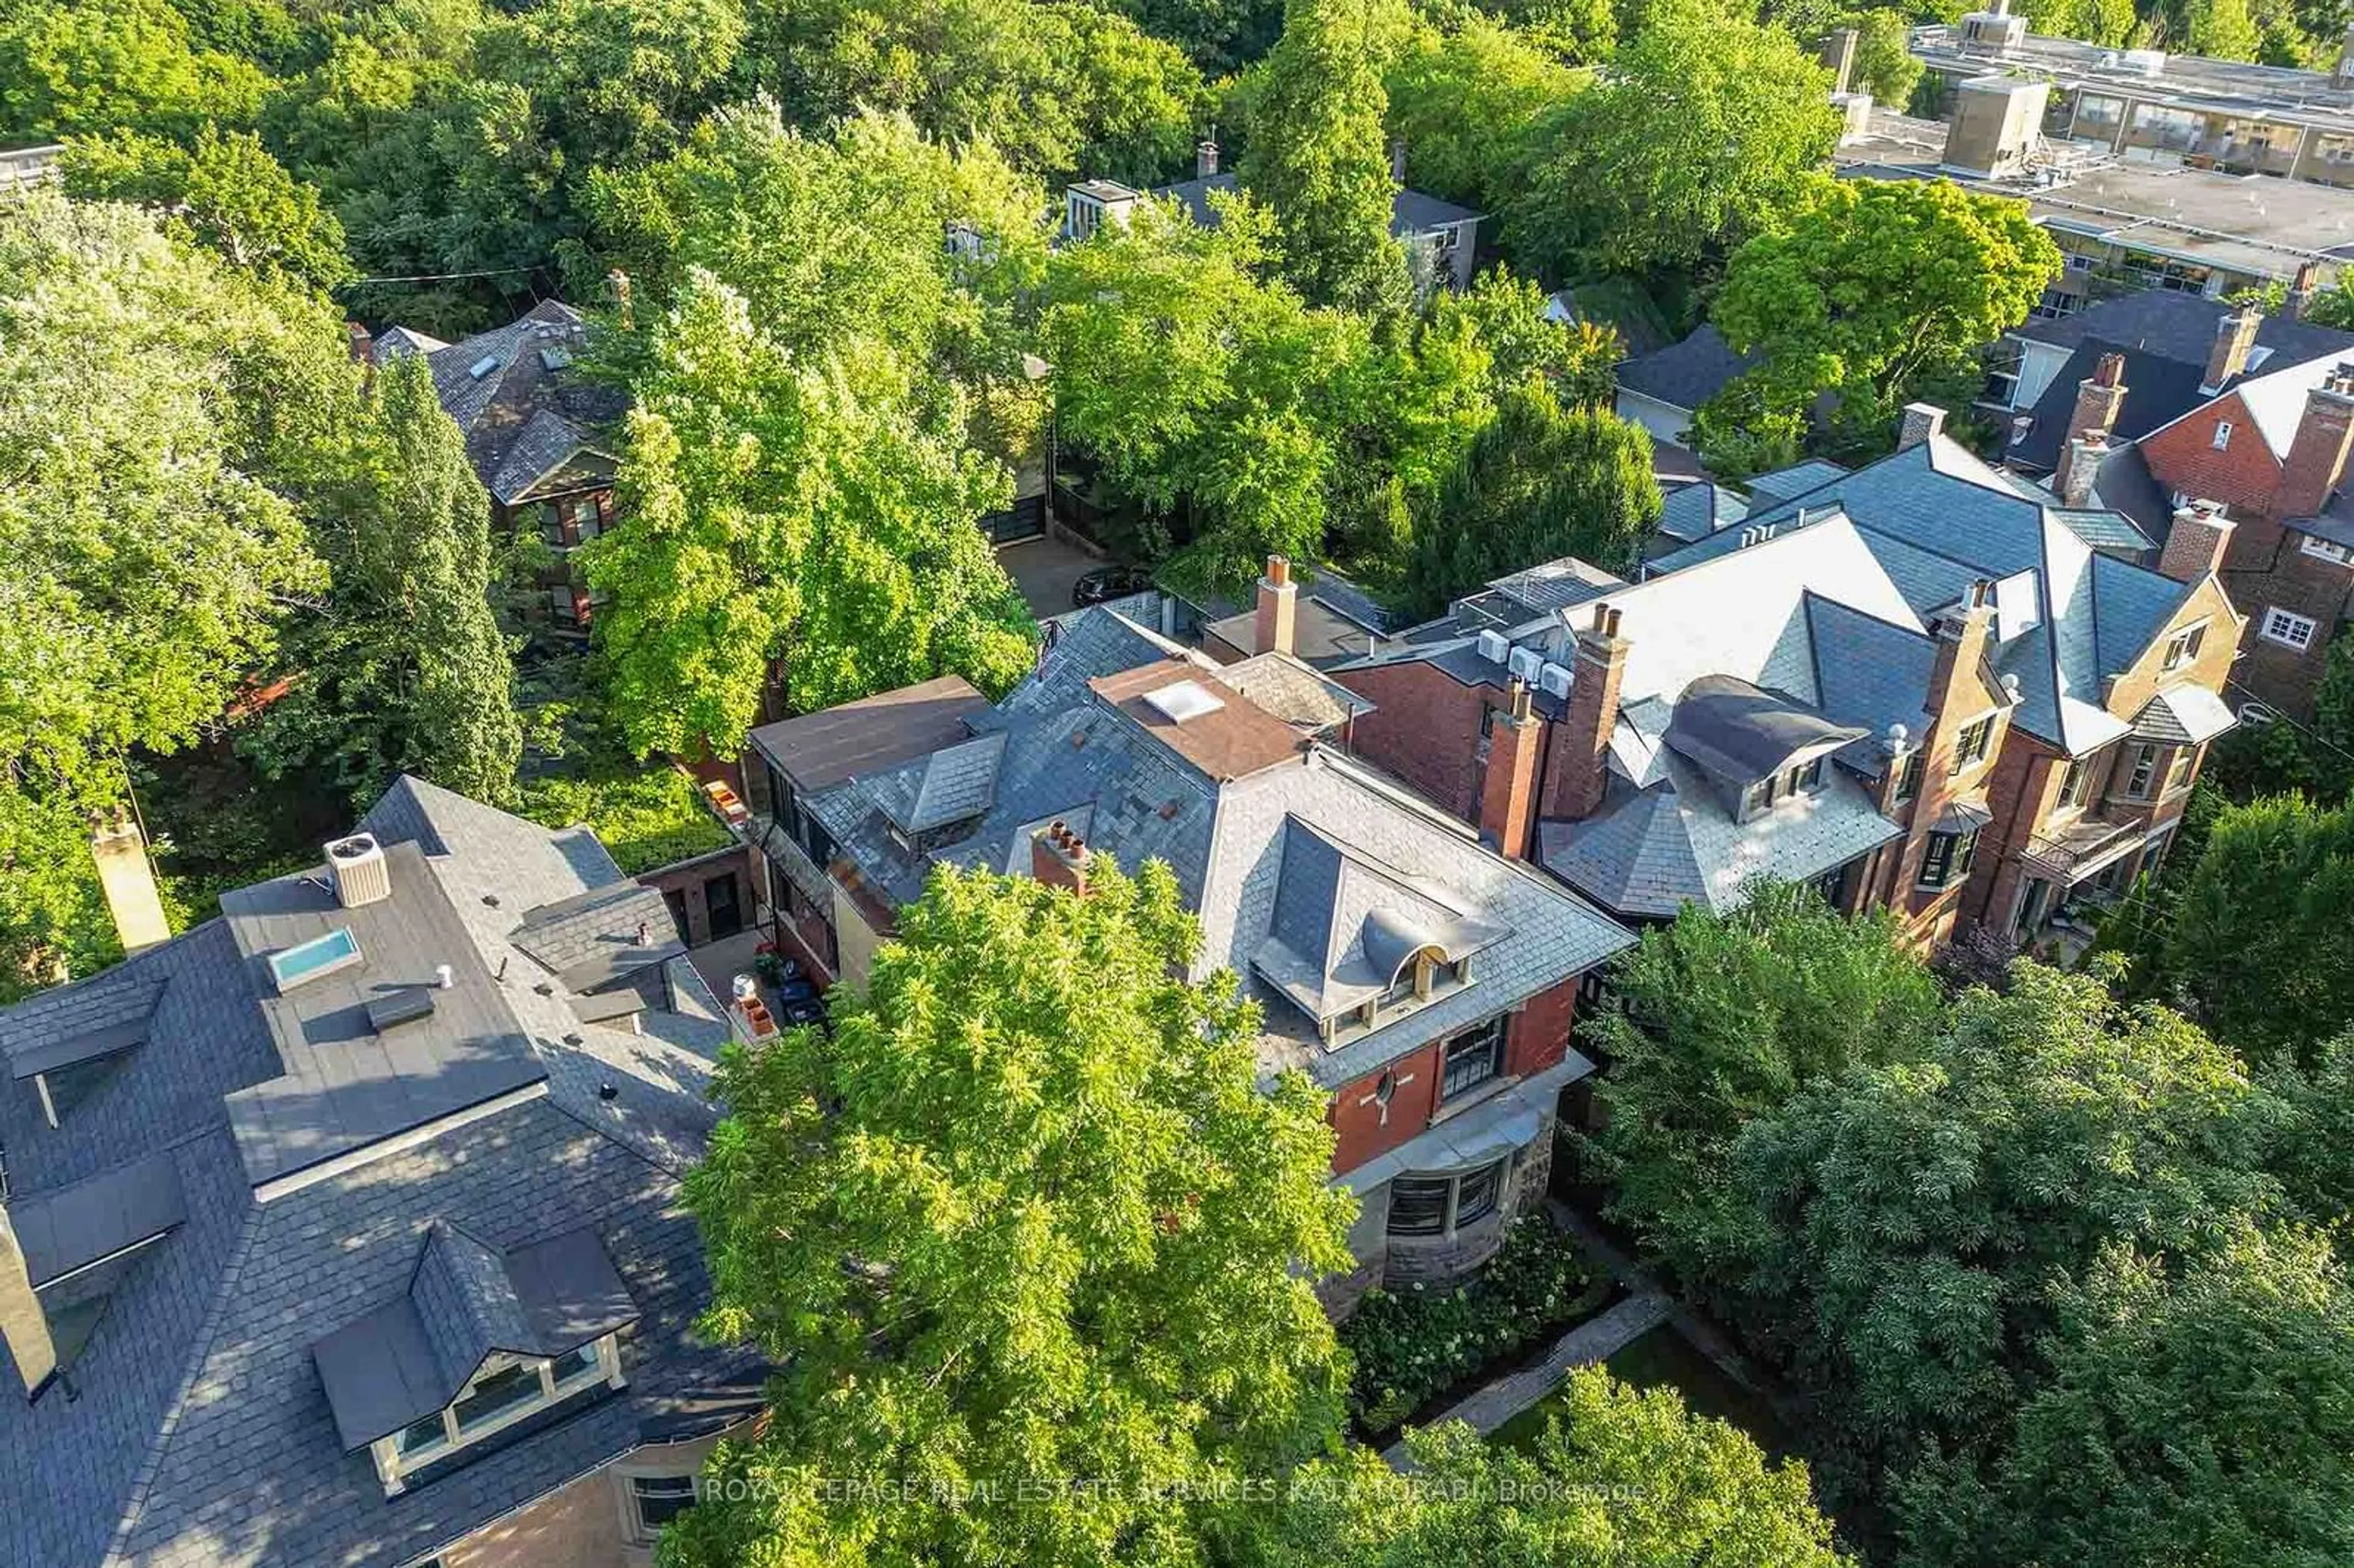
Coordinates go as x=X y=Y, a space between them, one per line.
x=229 y=193
x=2198 y=1414
x=1874 y=284
x=1027 y=1216
x=90 y=67
x=1465 y=100
x=792 y=529
x=1317 y=159
x=403 y=668
x=1704 y=131
x=1541 y=481
x=150 y=397
x=1718 y=1020
x=1913 y=1220
x=2254 y=935
x=1884 y=65
x=1621 y=1478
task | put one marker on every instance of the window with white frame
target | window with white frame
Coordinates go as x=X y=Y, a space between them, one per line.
x=2177 y=772
x=506 y=1389
x=2327 y=549
x=2141 y=767
x=1440 y=1205
x=2221 y=438
x=2073 y=780
x=2288 y=628
x=655 y=1500
x=2184 y=645
x=1473 y=1057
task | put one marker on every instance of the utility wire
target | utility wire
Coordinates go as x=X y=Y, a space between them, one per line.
x=435 y=276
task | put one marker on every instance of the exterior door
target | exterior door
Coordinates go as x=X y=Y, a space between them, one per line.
x=723 y=907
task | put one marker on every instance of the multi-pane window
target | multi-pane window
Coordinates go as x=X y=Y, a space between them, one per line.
x=2288 y=630
x=658 y=1499
x=1473 y=1057
x=1418 y=1205
x=1440 y=1205
x=2177 y=772
x=2328 y=550
x=2183 y=646
x=2141 y=768
x=1946 y=858
x=1971 y=746
x=504 y=1390
x=2221 y=438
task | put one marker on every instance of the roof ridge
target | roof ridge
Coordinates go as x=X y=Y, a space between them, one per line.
x=142 y=1481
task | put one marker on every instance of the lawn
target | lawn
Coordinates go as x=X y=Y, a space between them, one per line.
x=646 y=814
x=1663 y=1358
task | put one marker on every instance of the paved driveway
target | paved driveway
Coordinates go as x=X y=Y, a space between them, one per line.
x=1044 y=570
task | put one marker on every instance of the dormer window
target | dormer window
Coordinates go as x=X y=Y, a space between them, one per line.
x=1800 y=778
x=2183 y=647
x=505 y=1390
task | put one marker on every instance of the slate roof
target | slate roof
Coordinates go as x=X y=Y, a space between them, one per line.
x=533 y=422
x=1077 y=749
x=1801 y=478
x=2170 y=324
x=198 y=1433
x=1410 y=212
x=2157 y=389
x=1685 y=375
x=1295 y=692
x=1692 y=512
x=1823 y=601
x=2184 y=716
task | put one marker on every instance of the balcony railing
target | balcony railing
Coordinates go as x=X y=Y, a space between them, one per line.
x=2085 y=848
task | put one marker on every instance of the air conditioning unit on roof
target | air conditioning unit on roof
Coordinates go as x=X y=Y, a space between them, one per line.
x=1494 y=646
x=1525 y=663
x=1554 y=680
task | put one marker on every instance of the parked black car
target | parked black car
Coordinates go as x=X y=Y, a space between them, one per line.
x=1106 y=583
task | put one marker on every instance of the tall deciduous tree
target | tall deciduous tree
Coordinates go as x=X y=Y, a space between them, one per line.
x=89 y=67
x=1912 y=1220
x=1875 y=284
x=1621 y=1478
x=150 y=398
x=2198 y=1414
x=1720 y=1019
x=2254 y=936
x=227 y=190
x=1464 y=101
x=403 y=669
x=1030 y=1246
x=1317 y=155
x=1705 y=131
x=790 y=529
x=1540 y=482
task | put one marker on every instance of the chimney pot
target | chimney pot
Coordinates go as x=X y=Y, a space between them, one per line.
x=1508 y=784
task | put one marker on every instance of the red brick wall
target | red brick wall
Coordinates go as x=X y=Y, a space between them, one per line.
x=1539 y=1035
x=1363 y=1132
x=1425 y=728
x=1535 y=1038
x=2242 y=476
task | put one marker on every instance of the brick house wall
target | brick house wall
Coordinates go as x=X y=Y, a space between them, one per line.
x=2266 y=567
x=1425 y=727
x=696 y=891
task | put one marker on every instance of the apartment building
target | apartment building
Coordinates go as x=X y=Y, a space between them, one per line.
x=1922 y=685
x=1424 y=982
x=347 y=1227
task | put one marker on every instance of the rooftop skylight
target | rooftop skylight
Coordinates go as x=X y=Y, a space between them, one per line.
x=306 y=962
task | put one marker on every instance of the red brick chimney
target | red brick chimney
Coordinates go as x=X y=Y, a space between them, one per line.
x=1578 y=771
x=2317 y=456
x=1508 y=790
x=1060 y=858
x=2235 y=335
x=361 y=342
x=2195 y=543
x=1278 y=608
x=2098 y=398
x=1961 y=645
x=2308 y=280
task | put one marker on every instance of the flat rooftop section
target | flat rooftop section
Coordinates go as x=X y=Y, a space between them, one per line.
x=1232 y=740
x=820 y=750
x=347 y=1085
x=2247 y=222
x=2189 y=79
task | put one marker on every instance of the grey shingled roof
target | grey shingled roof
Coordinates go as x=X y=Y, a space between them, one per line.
x=525 y=418
x=1803 y=478
x=1295 y=692
x=198 y=1434
x=1072 y=754
x=1692 y=512
x=1688 y=374
x=1410 y=212
x=2186 y=715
